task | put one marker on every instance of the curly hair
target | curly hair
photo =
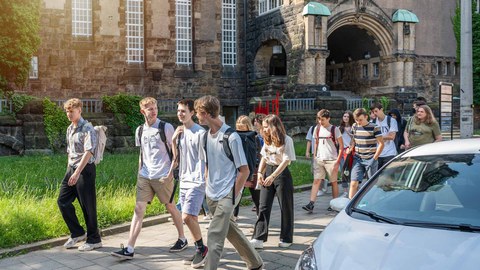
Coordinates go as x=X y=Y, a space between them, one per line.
x=277 y=132
x=430 y=119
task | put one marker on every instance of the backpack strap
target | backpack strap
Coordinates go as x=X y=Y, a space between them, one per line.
x=332 y=134
x=389 y=120
x=228 y=152
x=163 y=137
x=140 y=132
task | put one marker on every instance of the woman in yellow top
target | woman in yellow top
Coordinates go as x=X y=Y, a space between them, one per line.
x=422 y=128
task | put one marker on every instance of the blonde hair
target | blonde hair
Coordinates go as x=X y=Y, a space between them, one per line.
x=430 y=119
x=208 y=104
x=73 y=103
x=243 y=122
x=277 y=130
x=146 y=101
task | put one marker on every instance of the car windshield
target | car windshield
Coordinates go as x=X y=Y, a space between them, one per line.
x=423 y=191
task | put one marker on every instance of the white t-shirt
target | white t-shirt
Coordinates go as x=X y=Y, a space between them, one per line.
x=309 y=137
x=389 y=148
x=222 y=172
x=275 y=155
x=156 y=162
x=347 y=137
x=326 y=149
x=192 y=168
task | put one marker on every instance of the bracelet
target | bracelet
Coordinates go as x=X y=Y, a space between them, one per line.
x=260 y=173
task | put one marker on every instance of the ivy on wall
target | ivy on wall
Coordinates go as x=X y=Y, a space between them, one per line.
x=126 y=109
x=55 y=122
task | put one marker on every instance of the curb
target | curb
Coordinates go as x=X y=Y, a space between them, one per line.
x=116 y=229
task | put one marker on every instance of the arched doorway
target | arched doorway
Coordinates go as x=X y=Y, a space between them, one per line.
x=270 y=60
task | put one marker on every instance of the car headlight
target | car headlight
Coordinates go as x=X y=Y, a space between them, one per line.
x=307 y=260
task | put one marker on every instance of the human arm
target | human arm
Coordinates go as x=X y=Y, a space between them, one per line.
x=242 y=176
x=307 y=151
x=380 y=145
x=76 y=174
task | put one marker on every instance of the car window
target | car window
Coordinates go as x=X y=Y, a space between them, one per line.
x=438 y=189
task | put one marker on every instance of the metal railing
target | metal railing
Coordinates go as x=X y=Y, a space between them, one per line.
x=6 y=106
x=299 y=104
x=355 y=103
x=89 y=105
x=167 y=105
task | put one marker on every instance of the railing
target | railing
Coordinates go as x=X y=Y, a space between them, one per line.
x=89 y=105
x=167 y=105
x=300 y=104
x=355 y=103
x=6 y=106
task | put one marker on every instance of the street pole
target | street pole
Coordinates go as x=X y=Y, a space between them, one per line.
x=466 y=70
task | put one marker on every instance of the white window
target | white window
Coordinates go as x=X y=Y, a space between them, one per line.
x=229 y=33
x=365 y=71
x=446 y=69
x=376 y=70
x=183 y=27
x=265 y=6
x=82 y=18
x=33 y=74
x=134 y=25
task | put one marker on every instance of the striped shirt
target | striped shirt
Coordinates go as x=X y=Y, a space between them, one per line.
x=366 y=140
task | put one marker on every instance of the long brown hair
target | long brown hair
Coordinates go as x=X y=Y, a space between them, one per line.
x=430 y=119
x=277 y=131
x=350 y=121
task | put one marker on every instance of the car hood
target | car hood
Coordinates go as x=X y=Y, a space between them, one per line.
x=349 y=243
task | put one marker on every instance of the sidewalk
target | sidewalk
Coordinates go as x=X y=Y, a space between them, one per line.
x=153 y=244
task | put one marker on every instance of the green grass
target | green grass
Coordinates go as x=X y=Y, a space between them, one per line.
x=300 y=147
x=476 y=132
x=29 y=189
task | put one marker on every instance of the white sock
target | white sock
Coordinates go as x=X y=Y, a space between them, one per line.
x=130 y=249
x=183 y=239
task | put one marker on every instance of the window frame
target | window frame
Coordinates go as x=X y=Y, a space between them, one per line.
x=134 y=31
x=82 y=18
x=266 y=6
x=183 y=32
x=229 y=33
x=33 y=72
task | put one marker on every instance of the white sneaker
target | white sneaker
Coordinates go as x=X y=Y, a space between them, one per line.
x=284 y=245
x=320 y=193
x=258 y=244
x=88 y=246
x=207 y=217
x=208 y=225
x=71 y=242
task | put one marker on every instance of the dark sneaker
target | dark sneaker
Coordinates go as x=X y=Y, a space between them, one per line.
x=308 y=208
x=179 y=246
x=199 y=258
x=189 y=260
x=123 y=253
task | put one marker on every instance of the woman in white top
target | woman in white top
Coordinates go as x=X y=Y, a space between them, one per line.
x=346 y=130
x=275 y=178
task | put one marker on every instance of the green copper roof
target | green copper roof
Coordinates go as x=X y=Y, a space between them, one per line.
x=403 y=15
x=314 y=8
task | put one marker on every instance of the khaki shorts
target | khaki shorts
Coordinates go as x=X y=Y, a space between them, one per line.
x=146 y=189
x=322 y=168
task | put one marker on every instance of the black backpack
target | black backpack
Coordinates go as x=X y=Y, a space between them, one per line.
x=249 y=146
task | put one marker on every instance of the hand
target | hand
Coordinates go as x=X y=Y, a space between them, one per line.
x=407 y=144
x=72 y=181
x=348 y=150
x=177 y=132
x=169 y=177
x=307 y=154
x=268 y=182
x=260 y=178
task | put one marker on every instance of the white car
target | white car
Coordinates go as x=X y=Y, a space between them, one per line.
x=420 y=211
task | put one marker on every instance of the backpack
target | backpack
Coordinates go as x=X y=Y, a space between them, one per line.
x=397 y=138
x=249 y=146
x=332 y=137
x=102 y=141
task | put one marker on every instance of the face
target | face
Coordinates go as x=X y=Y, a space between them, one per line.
x=257 y=125
x=421 y=114
x=346 y=118
x=394 y=116
x=266 y=128
x=361 y=120
x=372 y=115
x=377 y=112
x=73 y=114
x=201 y=115
x=324 y=121
x=150 y=111
x=184 y=114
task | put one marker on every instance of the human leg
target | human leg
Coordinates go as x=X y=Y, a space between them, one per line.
x=65 y=203
x=284 y=187
x=357 y=173
x=255 y=198
x=265 y=208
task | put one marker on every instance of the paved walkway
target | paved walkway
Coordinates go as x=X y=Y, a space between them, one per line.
x=153 y=244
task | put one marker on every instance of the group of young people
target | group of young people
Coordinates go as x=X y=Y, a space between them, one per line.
x=205 y=170
x=371 y=143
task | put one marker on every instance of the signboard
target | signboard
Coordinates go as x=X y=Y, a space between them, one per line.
x=446 y=107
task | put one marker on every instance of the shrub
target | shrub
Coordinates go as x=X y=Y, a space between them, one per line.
x=126 y=109
x=56 y=123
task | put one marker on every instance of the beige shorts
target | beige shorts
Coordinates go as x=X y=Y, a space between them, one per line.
x=322 y=168
x=146 y=189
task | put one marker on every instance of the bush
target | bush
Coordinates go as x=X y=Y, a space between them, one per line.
x=126 y=109
x=56 y=122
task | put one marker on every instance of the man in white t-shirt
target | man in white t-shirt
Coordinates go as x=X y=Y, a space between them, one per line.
x=187 y=144
x=225 y=181
x=389 y=129
x=155 y=176
x=326 y=158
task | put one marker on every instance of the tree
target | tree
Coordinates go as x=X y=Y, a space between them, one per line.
x=475 y=46
x=19 y=39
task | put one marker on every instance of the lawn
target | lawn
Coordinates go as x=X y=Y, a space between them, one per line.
x=29 y=188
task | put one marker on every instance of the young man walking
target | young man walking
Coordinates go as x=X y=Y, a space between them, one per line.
x=155 y=176
x=368 y=143
x=225 y=182
x=389 y=128
x=79 y=180
x=192 y=175
x=326 y=137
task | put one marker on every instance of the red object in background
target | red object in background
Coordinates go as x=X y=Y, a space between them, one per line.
x=268 y=106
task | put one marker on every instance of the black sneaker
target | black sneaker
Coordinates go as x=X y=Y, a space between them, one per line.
x=199 y=258
x=123 y=253
x=179 y=246
x=308 y=208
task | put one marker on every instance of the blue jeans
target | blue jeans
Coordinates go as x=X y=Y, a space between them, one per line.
x=361 y=166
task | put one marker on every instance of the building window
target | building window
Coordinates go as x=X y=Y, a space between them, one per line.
x=33 y=74
x=134 y=19
x=265 y=6
x=339 y=75
x=229 y=33
x=454 y=69
x=446 y=71
x=365 y=71
x=183 y=27
x=330 y=75
x=82 y=18
x=376 y=70
x=438 y=68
